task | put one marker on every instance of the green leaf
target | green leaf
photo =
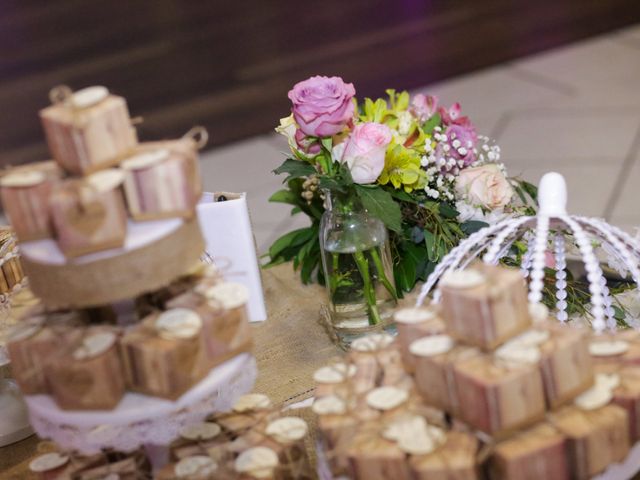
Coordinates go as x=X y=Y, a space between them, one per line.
x=274 y=262
x=433 y=122
x=380 y=204
x=310 y=264
x=454 y=227
x=412 y=264
x=432 y=206
x=327 y=143
x=447 y=211
x=442 y=250
x=524 y=189
x=424 y=273
x=417 y=253
x=430 y=244
x=405 y=274
x=295 y=169
x=619 y=313
x=402 y=196
x=531 y=190
x=344 y=174
x=291 y=239
x=520 y=193
x=306 y=249
x=472 y=226
x=333 y=184
x=446 y=232
x=284 y=196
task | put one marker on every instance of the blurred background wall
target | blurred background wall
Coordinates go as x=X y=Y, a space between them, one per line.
x=228 y=64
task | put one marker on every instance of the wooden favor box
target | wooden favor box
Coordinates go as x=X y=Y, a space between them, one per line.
x=85 y=140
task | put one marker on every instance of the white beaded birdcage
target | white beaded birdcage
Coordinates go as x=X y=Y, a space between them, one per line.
x=553 y=231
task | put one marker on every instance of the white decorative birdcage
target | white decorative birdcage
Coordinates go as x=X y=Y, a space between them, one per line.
x=551 y=231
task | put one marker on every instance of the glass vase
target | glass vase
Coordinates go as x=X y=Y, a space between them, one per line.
x=357 y=268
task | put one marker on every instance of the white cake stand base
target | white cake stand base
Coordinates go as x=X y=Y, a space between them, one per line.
x=141 y=420
x=14 y=419
x=625 y=469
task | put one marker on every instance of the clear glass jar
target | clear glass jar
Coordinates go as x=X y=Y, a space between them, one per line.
x=357 y=268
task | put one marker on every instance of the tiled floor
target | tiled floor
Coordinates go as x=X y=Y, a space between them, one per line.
x=575 y=110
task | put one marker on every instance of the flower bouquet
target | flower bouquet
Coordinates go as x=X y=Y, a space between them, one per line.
x=418 y=168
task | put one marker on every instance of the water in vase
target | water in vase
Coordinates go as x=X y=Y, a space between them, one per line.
x=360 y=286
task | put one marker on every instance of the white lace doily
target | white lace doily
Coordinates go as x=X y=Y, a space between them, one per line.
x=140 y=419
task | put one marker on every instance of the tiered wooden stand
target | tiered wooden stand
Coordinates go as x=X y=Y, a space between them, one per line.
x=133 y=339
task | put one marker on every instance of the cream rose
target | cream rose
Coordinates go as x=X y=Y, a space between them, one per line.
x=485 y=186
x=287 y=128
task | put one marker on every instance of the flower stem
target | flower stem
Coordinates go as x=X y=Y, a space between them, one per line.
x=369 y=292
x=333 y=278
x=382 y=276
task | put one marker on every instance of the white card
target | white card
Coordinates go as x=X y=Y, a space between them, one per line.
x=226 y=227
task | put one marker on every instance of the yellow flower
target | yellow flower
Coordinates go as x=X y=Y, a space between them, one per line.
x=402 y=169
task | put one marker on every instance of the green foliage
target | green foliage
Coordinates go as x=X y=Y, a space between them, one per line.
x=472 y=226
x=527 y=193
x=411 y=267
x=431 y=123
x=300 y=246
x=402 y=196
x=295 y=169
x=284 y=196
x=293 y=196
x=293 y=239
x=447 y=211
x=380 y=204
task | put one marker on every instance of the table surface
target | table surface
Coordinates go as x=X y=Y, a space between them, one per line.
x=289 y=347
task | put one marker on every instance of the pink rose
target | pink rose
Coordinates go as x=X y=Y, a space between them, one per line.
x=365 y=150
x=322 y=106
x=484 y=186
x=423 y=107
x=308 y=145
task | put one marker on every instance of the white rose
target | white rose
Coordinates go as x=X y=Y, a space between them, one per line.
x=484 y=186
x=288 y=128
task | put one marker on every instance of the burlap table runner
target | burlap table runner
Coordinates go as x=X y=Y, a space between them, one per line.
x=289 y=347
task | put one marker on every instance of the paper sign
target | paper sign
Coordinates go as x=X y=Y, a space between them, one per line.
x=227 y=231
